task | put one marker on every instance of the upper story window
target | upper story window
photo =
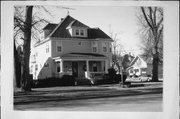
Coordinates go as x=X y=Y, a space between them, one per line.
x=36 y=67
x=58 y=47
x=77 y=32
x=110 y=49
x=104 y=49
x=47 y=48
x=94 y=47
x=82 y=32
x=104 y=46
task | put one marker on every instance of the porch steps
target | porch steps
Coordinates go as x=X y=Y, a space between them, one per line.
x=83 y=81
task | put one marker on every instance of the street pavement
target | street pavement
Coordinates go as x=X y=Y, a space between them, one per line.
x=112 y=97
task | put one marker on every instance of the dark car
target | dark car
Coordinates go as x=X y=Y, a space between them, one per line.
x=100 y=78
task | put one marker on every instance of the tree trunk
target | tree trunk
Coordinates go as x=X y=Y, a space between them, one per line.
x=17 y=68
x=155 y=67
x=26 y=81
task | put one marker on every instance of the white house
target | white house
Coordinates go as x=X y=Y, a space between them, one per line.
x=71 y=48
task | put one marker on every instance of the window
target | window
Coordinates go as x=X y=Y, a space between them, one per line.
x=94 y=46
x=82 y=32
x=59 y=49
x=104 y=47
x=110 y=49
x=36 y=67
x=47 y=48
x=94 y=49
x=59 y=46
x=77 y=32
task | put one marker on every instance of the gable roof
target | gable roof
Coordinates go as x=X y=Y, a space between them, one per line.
x=50 y=26
x=97 y=33
x=77 y=23
x=137 y=61
x=60 y=30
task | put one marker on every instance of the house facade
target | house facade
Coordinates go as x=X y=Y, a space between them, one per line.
x=70 y=48
x=137 y=67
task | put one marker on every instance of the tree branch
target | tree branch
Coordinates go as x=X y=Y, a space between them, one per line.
x=154 y=14
x=160 y=21
x=150 y=16
x=145 y=16
x=41 y=20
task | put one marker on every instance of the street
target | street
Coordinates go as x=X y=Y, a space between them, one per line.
x=142 y=103
x=145 y=98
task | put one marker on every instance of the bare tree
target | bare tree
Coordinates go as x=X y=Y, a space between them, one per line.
x=117 y=48
x=151 y=21
x=26 y=28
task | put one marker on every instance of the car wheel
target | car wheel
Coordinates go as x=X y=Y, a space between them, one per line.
x=140 y=79
x=148 y=79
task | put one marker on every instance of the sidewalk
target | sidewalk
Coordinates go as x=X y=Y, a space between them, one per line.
x=84 y=92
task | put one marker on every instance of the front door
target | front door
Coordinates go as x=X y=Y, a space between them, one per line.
x=75 y=69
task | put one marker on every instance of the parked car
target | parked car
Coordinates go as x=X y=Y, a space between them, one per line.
x=100 y=78
x=139 y=79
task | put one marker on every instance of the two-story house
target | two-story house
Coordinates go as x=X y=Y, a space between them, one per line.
x=71 y=48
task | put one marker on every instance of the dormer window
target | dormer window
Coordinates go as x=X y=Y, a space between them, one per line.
x=78 y=32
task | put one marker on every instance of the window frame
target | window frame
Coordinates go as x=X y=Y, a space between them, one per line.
x=105 y=47
x=94 y=45
x=77 y=32
x=58 y=46
x=47 y=48
x=81 y=32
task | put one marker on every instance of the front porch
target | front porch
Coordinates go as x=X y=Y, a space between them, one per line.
x=81 y=67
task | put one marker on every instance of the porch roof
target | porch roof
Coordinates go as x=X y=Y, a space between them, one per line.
x=81 y=56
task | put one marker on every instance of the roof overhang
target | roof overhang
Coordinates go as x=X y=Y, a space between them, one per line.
x=80 y=57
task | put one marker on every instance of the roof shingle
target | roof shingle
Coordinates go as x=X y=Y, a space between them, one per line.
x=61 y=30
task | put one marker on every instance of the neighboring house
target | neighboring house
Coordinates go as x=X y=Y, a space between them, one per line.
x=70 y=48
x=137 y=67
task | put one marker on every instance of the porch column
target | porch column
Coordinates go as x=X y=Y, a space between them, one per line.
x=87 y=75
x=61 y=66
x=106 y=66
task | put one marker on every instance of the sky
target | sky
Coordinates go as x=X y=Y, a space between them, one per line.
x=116 y=19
